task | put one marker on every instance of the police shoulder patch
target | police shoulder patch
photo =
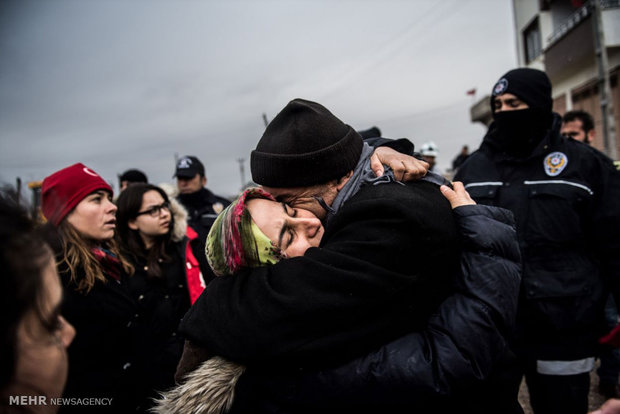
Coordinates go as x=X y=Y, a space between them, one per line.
x=217 y=207
x=500 y=87
x=555 y=163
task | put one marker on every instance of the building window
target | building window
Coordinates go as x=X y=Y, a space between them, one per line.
x=532 y=41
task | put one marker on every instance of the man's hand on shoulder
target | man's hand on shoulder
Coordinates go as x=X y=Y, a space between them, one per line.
x=405 y=167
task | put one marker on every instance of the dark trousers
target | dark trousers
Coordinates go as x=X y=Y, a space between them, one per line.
x=557 y=394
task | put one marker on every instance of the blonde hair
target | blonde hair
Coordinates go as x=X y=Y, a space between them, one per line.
x=77 y=253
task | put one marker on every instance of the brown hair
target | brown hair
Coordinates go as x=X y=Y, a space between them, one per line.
x=77 y=254
x=23 y=256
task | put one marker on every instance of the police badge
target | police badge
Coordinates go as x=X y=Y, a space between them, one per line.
x=217 y=207
x=555 y=163
x=500 y=87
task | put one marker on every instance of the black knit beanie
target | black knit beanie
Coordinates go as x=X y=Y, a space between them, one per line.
x=532 y=86
x=304 y=145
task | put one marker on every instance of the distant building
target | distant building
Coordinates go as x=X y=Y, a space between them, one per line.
x=557 y=36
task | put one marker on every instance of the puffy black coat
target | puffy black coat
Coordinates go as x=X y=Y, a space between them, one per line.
x=442 y=368
x=385 y=263
x=161 y=303
x=566 y=200
x=461 y=345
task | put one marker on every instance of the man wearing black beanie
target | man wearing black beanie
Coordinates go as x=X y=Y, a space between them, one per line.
x=388 y=259
x=566 y=199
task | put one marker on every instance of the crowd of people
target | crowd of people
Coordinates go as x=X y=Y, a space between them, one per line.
x=355 y=278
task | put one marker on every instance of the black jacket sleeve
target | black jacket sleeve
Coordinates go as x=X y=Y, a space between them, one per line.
x=462 y=343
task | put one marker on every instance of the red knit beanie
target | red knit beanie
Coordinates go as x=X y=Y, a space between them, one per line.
x=64 y=189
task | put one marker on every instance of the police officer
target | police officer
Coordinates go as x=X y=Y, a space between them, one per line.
x=202 y=205
x=566 y=200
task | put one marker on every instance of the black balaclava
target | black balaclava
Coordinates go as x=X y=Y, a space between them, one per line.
x=520 y=131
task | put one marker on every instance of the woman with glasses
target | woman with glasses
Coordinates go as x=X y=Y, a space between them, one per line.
x=154 y=236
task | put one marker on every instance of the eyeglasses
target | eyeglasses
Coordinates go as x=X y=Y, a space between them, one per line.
x=155 y=211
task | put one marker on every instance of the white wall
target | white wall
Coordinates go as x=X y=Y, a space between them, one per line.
x=611 y=26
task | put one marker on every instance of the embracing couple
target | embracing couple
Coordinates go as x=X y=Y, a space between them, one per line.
x=340 y=290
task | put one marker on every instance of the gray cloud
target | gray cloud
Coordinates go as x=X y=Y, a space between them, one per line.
x=121 y=84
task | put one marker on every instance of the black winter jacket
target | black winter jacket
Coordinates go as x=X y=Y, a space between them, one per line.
x=384 y=264
x=440 y=369
x=566 y=200
x=462 y=344
x=102 y=358
x=161 y=303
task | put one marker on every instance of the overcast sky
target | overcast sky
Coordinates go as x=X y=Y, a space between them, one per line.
x=128 y=83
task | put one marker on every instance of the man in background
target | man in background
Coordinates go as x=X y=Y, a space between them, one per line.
x=202 y=205
x=579 y=126
x=130 y=177
x=429 y=152
x=460 y=158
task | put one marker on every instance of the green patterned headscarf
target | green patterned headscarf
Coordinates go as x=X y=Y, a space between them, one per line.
x=235 y=241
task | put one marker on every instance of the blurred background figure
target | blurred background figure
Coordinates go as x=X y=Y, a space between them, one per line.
x=35 y=336
x=460 y=158
x=131 y=177
x=578 y=125
x=429 y=152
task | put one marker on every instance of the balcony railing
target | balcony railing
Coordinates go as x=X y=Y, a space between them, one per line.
x=572 y=21
x=578 y=16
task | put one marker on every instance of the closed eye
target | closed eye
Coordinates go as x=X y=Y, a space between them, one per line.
x=291 y=234
x=286 y=230
x=514 y=103
x=291 y=212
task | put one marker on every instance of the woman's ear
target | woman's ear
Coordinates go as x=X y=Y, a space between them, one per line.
x=132 y=224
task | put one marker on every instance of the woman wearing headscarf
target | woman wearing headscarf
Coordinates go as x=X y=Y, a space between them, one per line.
x=255 y=230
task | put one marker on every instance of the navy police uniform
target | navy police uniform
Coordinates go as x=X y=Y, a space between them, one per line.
x=565 y=196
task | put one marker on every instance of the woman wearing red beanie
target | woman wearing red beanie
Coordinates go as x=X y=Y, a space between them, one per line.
x=77 y=203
